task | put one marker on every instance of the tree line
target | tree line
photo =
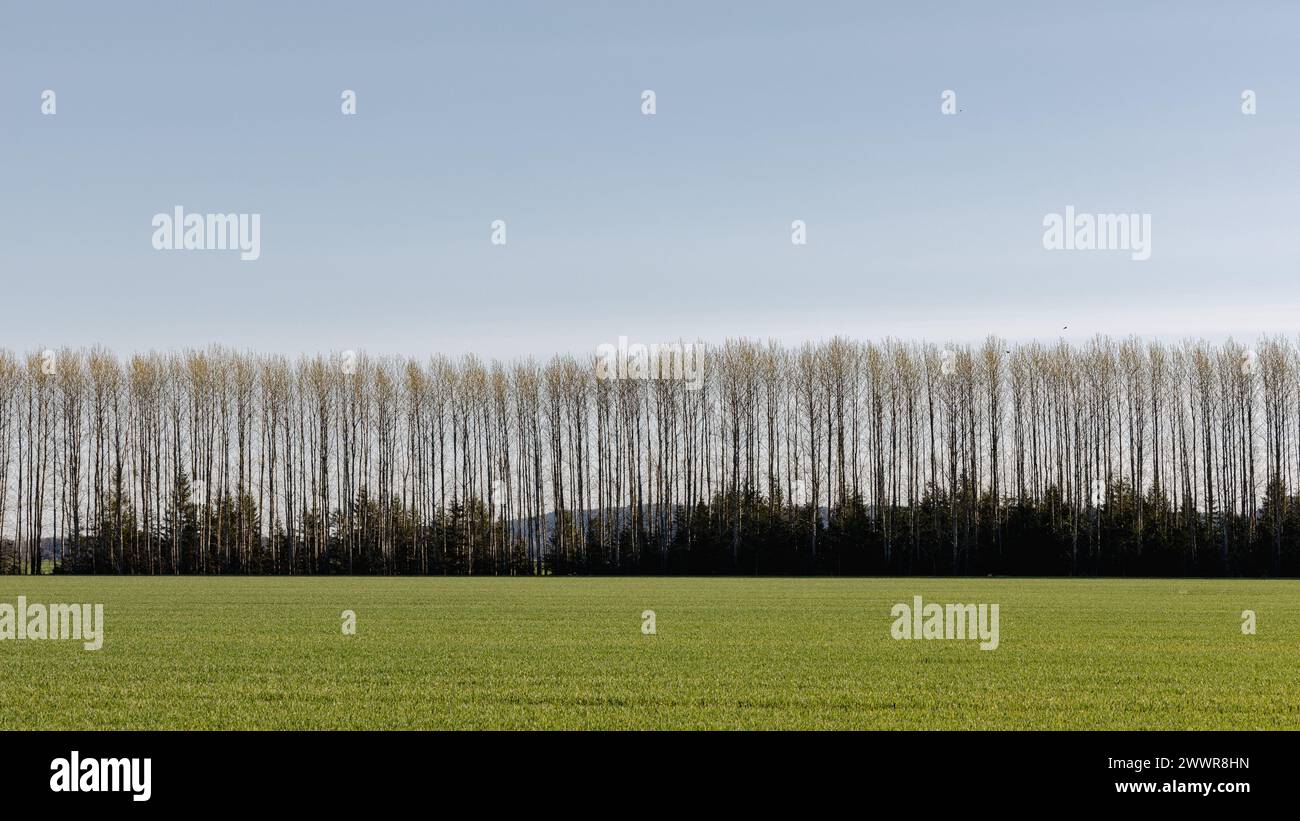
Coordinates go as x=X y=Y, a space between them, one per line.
x=1115 y=457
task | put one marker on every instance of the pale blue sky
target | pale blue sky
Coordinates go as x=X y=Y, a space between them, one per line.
x=375 y=228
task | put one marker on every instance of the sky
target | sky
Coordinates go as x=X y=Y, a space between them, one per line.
x=376 y=227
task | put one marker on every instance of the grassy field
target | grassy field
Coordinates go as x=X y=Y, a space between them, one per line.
x=730 y=653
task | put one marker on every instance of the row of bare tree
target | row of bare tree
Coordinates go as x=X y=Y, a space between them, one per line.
x=1119 y=456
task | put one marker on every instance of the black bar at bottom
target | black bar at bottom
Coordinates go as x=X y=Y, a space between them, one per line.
x=301 y=770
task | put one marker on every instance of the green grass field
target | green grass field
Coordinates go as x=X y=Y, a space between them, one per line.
x=236 y=653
